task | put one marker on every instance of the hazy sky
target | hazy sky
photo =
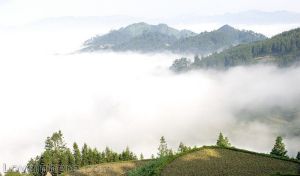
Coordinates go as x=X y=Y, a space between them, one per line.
x=23 y=11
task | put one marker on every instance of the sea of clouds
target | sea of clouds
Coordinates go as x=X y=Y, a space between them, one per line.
x=130 y=99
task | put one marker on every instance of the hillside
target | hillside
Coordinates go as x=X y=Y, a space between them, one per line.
x=143 y=37
x=209 y=160
x=108 y=169
x=226 y=162
x=282 y=50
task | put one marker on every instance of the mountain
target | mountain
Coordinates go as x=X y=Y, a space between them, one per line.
x=208 y=42
x=143 y=37
x=282 y=50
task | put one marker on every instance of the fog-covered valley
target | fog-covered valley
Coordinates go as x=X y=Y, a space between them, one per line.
x=120 y=99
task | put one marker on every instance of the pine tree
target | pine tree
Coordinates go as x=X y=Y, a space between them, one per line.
x=77 y=155
x=71 y=160
x=141 y=156
x=84 y=152
x=223 y=141
x=298 y=156
x=279 y=148
x=163 y=148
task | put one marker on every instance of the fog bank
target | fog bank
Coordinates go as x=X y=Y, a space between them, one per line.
x=127 y=99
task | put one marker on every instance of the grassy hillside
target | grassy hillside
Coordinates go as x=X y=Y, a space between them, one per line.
x=108 y=169
x=217 y=161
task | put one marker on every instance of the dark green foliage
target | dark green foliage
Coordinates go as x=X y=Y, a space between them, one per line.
x=223 y=141
x=157 y=38
x=282 y=50
x=152 y=168
x=279 y=148
x=298 y=156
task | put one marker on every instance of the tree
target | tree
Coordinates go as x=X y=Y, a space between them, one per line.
x=77 y=155
x=181 y=65
x=279 y=148
x=183 y=148
x=163 y=148
x=55 y=142
x=152 y=156
x=298 y=156
x=141 y=156
x=223 y=141
x=84 y=153
x=127 y=155
x=71 y=160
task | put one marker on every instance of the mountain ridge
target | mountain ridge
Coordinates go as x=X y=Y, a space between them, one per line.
x=282 y=50
x=142 y=37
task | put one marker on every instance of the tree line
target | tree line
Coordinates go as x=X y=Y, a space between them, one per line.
x=58 y=159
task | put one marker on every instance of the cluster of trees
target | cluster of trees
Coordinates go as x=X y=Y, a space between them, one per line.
x=164 y=151
x=282 y=49
x=278 y=149
x=57 y=158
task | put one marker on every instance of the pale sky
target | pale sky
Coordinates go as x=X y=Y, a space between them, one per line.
x=14 y=12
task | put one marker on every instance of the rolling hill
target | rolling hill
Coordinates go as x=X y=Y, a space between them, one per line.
x=204 y=161
x=142 y=37
x=282 y=50
x=226 y=162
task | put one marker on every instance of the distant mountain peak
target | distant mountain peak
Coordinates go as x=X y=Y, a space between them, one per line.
x=226 y=28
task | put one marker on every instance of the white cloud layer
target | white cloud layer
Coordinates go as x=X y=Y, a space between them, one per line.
x=132 y=99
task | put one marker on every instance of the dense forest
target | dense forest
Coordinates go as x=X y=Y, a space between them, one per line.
x=282 y=50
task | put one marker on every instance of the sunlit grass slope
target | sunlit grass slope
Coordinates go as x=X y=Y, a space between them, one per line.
x=108 y=169
x=227 y=162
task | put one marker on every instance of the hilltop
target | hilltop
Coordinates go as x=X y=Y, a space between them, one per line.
x=142 y=37
x=208 y=160
x=215 y=161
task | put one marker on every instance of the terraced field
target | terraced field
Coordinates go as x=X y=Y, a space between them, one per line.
x=225 y=162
